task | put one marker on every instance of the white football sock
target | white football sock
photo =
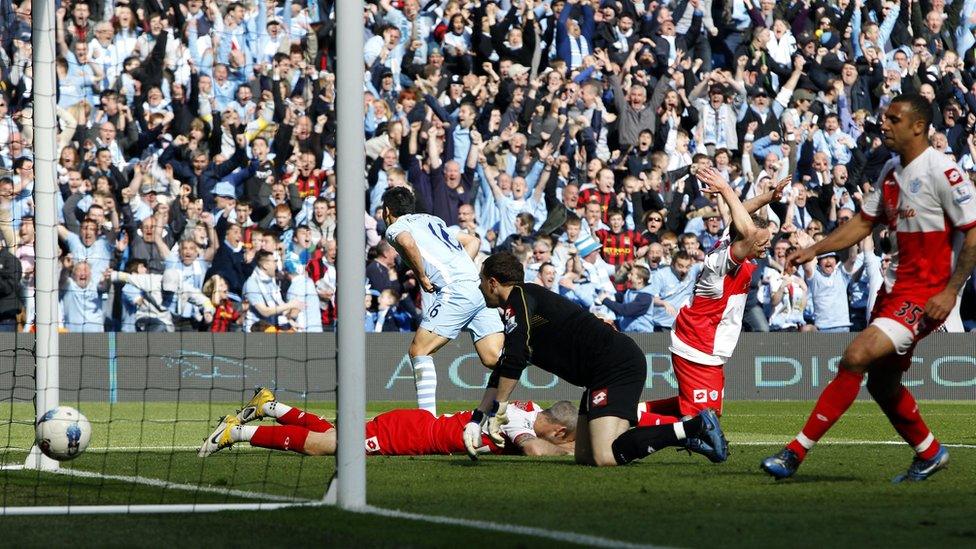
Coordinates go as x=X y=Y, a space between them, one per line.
x=240 y=433
x=275 y=409
x=425 y=378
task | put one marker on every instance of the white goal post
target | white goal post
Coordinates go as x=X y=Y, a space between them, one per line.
x=348 y=487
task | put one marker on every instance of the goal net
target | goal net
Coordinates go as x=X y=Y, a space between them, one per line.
x=152 y=398
x=151 y=401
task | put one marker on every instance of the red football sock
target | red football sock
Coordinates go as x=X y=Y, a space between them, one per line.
x=281 y=437
x=835 y=399
x=664 y=406
x=648 y=419
x=304 y=419
x=902 y=412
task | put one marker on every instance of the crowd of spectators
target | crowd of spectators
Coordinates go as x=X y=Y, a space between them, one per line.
x=196 y=150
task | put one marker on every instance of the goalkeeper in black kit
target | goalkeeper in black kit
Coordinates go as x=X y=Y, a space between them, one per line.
x=560 y=337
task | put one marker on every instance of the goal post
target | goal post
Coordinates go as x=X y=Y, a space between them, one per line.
x=46 y=245
x=351 y=159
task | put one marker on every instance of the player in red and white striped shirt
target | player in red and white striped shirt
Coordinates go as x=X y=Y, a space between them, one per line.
x=531 y=430
x=707 y=329
x=923 y=198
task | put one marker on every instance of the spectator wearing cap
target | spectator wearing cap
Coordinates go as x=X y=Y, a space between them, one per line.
x=263 y=295
x=597 y=273
x=307 y=316
x=672 y=288
x=828 y=282
x=635 y=313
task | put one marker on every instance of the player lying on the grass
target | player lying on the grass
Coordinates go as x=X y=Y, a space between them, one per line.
x=562 y=338
x=531 y=431
x=442 y=261
x=922 y=197
x=707 y=329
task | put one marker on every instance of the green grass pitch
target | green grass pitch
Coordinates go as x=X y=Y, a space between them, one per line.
x=840 y=497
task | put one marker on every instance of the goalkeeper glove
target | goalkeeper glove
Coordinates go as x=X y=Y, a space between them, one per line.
x=472 y=434
x=496 y=420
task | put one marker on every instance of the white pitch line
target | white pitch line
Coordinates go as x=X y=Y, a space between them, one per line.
x=178 y=486
x=557 y=535
x=843 y=443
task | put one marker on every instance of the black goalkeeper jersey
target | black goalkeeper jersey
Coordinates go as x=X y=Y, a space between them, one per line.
x=560 y=337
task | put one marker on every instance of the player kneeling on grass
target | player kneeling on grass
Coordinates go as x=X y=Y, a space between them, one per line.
x=531 y=431
x=562 y=338
x=707 y=329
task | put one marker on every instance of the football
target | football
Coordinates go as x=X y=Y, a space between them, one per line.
x=63 y=433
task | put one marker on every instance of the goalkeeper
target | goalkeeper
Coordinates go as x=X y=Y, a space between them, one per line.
x=560 y=337
x=531 y=431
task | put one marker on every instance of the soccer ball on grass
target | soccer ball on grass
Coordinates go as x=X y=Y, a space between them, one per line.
x=63 y=433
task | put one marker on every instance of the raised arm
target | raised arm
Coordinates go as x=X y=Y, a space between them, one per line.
x=757 y=202
x=741 y=218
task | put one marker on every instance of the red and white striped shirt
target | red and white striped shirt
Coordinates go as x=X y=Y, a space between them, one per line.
x=922 y=204
x=707 y=329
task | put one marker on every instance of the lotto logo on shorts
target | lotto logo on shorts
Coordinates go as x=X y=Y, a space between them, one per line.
x=953 y=176
x=700 y=396
x=598 y=398
x=372 y=444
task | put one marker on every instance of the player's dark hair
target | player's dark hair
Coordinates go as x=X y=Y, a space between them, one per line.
x=399 y=201
x=503 y=267
x=919 y=105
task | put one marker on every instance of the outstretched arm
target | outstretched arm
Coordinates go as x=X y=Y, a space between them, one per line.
x=757 y=202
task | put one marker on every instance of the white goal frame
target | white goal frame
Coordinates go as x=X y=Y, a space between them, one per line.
x=348 y=486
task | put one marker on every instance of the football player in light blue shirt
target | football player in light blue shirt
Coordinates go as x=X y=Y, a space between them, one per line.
x=442 y=261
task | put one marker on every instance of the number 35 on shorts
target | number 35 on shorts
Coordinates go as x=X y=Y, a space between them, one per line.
x=911 y=314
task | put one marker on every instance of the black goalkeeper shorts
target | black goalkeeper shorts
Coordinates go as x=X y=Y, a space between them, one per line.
x=617 y=386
